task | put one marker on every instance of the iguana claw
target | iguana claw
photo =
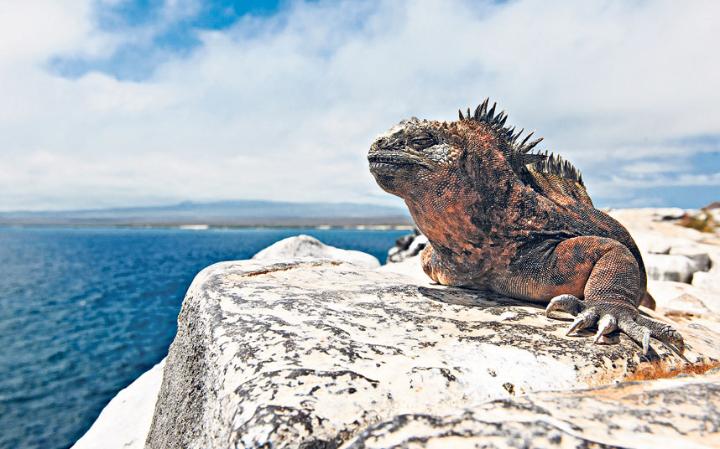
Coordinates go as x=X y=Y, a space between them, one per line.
x=606 y=327
x=611 y=319
x=585 y=319
x=565 y=303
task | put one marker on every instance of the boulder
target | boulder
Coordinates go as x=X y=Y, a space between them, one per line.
x=313 y=353
x=661 y=267
x=125 y=421
x=305 y=246
x=700 y=258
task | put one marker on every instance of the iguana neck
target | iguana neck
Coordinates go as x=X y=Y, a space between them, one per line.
x=471 y=212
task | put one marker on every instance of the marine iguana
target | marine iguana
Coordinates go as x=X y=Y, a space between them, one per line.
x=519 y=223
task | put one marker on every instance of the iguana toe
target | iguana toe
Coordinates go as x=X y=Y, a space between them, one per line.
x=565 y=303
x=641 y=328
x=664 y=333
x=639 y=334
x=606 y=330
x=584 y=320
x=584 y=317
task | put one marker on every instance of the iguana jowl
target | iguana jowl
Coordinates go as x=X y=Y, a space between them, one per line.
x=521 y=224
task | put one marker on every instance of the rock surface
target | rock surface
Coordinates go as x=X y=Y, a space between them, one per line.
x=630 y=415
x=312 y=353
x=125 y=421
x=305 y=246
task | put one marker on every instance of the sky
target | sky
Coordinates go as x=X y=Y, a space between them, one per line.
x=107 y=103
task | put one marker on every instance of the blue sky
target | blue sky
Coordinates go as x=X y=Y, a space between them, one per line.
x=128 y=102
x=179 y=35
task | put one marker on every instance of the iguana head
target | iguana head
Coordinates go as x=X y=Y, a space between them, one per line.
x=413 y=154
x=421 y=157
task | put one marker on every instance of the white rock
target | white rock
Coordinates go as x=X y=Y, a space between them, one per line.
x=312 y=353
x=661 y=267
x=305 y=246
x=700 y=258
x=652 y=244
x=125 y=421
x=707 y=281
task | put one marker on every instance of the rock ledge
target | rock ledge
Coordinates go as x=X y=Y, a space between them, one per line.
x=326 y=354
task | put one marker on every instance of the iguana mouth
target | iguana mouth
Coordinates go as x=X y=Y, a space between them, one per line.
x=392 y=161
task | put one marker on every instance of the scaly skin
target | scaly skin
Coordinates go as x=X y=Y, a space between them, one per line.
x=520 y=224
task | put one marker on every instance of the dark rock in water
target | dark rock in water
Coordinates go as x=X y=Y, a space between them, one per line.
x=407 y=246
x=322 y=353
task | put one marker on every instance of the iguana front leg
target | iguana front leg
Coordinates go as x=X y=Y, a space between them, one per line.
x=604 y=273
x=445 y=271
x=433 y=268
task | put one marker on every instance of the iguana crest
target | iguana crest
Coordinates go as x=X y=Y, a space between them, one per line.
x=517 y=151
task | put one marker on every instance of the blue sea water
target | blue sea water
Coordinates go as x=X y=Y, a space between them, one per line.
x=85 y=311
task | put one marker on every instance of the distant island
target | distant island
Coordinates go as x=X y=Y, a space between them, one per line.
x=236 y=213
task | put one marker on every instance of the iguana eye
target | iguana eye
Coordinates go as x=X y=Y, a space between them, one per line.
x=422 y=141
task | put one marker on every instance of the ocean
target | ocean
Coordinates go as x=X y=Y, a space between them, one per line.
x=85 y=311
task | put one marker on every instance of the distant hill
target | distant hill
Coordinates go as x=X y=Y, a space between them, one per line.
x=220 y=213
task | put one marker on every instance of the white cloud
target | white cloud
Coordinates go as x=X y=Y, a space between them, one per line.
x=285 y=107
x=686 y=179
x=646 y=168
x=33 y=30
